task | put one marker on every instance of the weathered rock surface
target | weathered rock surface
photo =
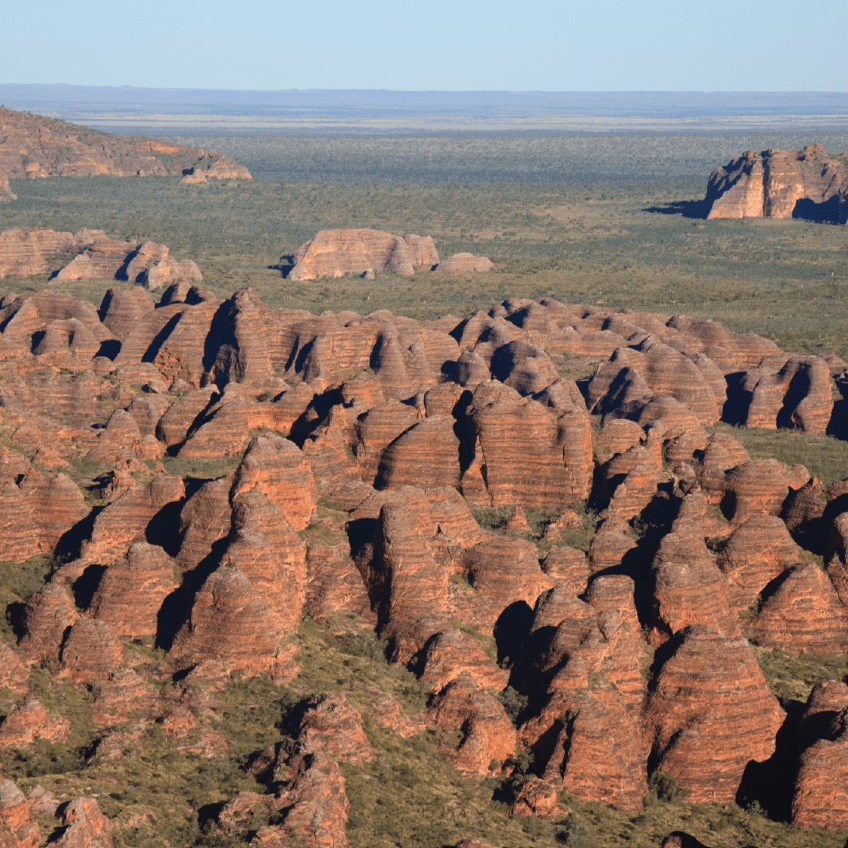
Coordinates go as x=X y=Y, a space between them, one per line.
x=710 y=712
x=211 y=166
x=485 y=731
x=49 y=614
x=90 y=255
x=802 y=612
x=336 y=253
x=35 y=146
x=757 y=552
x=30 y=721
x=781 y=184
x=465 y=263
x=228 y=620
x=819 y=798
x=436 y=482
x=36 y=512
x=19 y=829
x=5 y=192
x=787 y=391
x=91 y=650
x=132 y=590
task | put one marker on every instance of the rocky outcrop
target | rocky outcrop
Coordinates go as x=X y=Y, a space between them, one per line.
x=229 y=621
x=48 y=616
x=34 y=146
x=5 y=191
x=36 y=512
x=211 y=166
x=521 y=454
x=710 y=712
x=465 y=263
x=819 y=799
x=801 y=613
x=809 y=183
x=485 y=732
x=91 y=650
x=337 y=253
x=90 y=255
x=274 y=466
x=571 y=593
x=330 y=723
x=757 y=552
x=422 y=251
x=788 y=391
x=19 y=828
x=30 y=721
x=605 y=759
x=132 y=590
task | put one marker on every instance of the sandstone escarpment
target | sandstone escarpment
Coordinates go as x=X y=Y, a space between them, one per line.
x=34 y=146
x=781 y=184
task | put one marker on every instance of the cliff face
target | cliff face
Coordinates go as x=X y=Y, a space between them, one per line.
x=33 y=146
x=809 y=183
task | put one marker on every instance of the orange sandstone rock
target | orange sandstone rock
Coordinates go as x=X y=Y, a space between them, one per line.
x=19 y=829
x=757 y=552
x=479 y=719
x=776 y=183
x=228 y=621
x=30 y=721
x=91 y=650
x=277 y=468
x=335 y=253
x=465 y=263
x=710 y=712
x=132 y=589
x=49 y=614
x=802 y=612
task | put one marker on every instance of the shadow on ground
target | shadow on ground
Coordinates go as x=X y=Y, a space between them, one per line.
x=686 y=208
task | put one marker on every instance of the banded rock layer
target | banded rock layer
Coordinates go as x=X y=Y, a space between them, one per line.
x=441 y=485
x=88 y=255
x=809 y=183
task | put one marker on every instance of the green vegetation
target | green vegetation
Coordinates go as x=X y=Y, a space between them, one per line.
x=823 y=456
x=201 y=469
x=579 y=240
x=793 y=678
x=19 y=580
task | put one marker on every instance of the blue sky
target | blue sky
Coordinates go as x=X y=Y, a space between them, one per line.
x=443 y=45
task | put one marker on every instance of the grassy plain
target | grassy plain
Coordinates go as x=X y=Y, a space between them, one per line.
x=581 y=242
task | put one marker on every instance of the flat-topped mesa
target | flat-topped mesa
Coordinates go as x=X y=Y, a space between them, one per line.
x=34 y=146
x=337 y=253
x=88 y=255
x=808 y=183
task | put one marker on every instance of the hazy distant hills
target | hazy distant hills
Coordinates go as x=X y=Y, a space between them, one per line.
x=98 y=105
